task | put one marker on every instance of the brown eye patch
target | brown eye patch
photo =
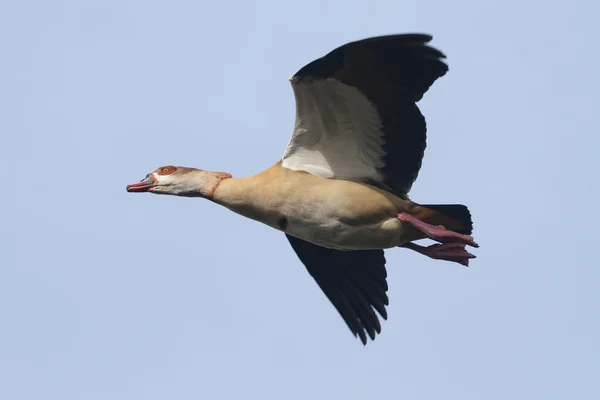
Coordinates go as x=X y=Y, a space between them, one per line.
x=166 y=170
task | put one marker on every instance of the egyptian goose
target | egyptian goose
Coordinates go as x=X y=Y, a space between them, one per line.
x=339 y=193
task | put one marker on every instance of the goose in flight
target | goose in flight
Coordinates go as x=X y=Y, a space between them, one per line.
x=340 y=191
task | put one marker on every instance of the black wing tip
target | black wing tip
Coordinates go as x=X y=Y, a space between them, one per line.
x=412 y=39
x=362 y=334
x=408 y=38
x=363 y=337
x=327 y=65
x=363 y=322
x=366 y=329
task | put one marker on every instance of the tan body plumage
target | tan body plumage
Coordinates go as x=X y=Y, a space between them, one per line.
x=337 y=214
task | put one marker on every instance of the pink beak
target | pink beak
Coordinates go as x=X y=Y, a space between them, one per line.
x=142 y=186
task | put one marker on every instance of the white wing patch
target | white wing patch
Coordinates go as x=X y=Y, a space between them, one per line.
x=337 y=134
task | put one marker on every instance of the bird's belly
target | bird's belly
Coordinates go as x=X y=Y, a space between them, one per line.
x=329 y=229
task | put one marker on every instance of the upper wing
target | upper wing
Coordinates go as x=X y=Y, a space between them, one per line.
x=354 y=281
x=356 y=116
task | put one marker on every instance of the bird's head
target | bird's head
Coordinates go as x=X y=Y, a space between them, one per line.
x=180 y=181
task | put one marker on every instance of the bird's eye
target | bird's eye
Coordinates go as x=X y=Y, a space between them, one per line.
x=166 y=170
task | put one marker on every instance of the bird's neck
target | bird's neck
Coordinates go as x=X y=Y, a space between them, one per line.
x=250 y=196
x=208 y=182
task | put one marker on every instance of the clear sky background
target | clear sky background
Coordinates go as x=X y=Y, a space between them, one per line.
x=110 y=295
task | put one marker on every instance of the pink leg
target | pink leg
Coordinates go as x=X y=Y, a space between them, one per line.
x=447 y=251
x=438 y=233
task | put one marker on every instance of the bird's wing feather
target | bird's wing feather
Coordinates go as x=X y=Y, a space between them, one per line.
x=354 y=281
x=356 y=116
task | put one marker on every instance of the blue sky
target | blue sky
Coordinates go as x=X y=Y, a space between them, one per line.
x=105 y=294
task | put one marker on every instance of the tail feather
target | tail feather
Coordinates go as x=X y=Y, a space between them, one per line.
x=456 y=212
